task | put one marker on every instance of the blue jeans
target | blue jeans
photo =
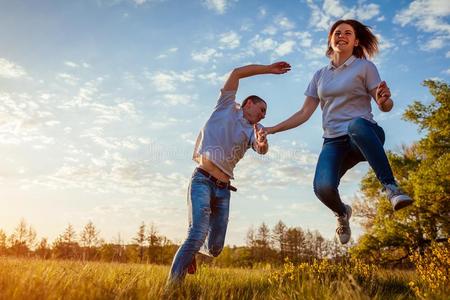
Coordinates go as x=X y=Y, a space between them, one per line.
x=364 y=142
x=209 y=208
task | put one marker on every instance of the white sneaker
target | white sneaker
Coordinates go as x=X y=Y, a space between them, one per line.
x=343 y=231
x=397 y=197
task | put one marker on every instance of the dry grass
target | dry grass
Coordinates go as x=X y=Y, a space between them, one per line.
x=37 y=279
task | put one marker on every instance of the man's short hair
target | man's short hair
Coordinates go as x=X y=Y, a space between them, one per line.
x=255 y=99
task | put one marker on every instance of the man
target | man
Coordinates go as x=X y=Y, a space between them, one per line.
x=223 y=141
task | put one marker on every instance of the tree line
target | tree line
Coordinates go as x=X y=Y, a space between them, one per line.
x=263 y=245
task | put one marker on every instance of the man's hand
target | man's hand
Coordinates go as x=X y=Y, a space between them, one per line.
x=232 y=82
x=383 y=97
x=260 y=140
x=280 y=67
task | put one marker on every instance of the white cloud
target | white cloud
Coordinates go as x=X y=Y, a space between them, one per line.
x=166 y=54
x=303 y=38
x=23 y=119
x=206 y=55
x=285 y=48
x=368 y=11
x=219 y=6
x=9 y=69
x=166 y=82
x=71 y=64
x=434 y=43
x=263 y=44
x=178 y=99
x=333 y=8
x=68 y=78
x=214 y=78
x=230 y=40
x=283 y=166
x=426 y=15
x=76 y=65
x=322 y=17
x=384 y=43
x=447 y=55
x=447 y=71
x=284 y=23
x=262 y=12
x=270 y=30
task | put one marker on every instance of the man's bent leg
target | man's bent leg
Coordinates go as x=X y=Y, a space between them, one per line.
x=199 y=198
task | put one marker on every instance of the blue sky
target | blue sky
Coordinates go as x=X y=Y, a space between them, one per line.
x=101 y=102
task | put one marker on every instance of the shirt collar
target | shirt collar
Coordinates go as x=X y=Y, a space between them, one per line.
x=241 y=117
x=346 y=63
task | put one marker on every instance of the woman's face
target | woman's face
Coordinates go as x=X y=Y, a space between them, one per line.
x=343 y=39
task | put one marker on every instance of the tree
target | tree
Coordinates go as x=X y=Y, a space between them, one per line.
x=140 y=240
x=154 y=243
x=65 y=245
x=262 y=243
x=22 y=239
x=43 y=250
x=89 y=238
x=423 y=171
x=279 y=239
x=295 y=244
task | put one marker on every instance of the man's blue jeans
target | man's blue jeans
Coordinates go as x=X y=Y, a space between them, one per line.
x=209 y=208
x=364 y=142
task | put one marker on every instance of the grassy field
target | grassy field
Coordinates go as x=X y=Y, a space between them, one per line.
x=38 y=279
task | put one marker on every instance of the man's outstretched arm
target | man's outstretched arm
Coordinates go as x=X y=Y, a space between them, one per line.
x=232 y=82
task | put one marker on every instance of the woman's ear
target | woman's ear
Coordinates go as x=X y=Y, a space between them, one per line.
x=356 y=43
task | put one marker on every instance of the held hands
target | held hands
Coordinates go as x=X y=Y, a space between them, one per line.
x=280 y=67
x=260 y=136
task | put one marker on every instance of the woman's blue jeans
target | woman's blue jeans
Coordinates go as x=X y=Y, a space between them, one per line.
x=364 y=142
x=209 y=208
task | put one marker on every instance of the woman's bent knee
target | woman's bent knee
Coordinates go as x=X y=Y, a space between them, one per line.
x=324 y=191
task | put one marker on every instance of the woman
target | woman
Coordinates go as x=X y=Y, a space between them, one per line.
x=344 y=89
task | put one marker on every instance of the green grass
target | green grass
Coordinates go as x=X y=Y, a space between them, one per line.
x=38 y=279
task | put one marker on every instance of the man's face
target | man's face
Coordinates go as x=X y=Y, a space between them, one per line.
x=254 y=112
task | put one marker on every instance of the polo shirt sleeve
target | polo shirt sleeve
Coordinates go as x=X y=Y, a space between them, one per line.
x=372 y=77
x=311 y=90
x=226 y=99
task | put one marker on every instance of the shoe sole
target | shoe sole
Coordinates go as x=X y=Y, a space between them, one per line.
x=402 y=204
x=349 y=211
